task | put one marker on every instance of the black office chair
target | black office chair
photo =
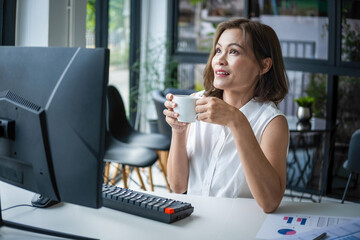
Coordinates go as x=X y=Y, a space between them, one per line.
x=120 y=129
x=126 y=155
x=352 y=164
x=159 y=98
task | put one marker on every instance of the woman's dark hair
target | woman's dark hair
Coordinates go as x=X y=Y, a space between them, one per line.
x=262 y=40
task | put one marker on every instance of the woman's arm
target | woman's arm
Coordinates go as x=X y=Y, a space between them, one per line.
x=265 y=163
x=178 y=162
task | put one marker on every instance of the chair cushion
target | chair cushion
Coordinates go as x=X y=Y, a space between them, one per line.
x=126 y=154
x=152 y=141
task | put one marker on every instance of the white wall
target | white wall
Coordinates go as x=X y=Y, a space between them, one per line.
x=32 y=23
x=51 y=23
x=58 y=32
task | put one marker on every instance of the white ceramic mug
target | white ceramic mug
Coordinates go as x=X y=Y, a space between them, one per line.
x=185 y=107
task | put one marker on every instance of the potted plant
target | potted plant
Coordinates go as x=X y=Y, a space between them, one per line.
x=304 y=112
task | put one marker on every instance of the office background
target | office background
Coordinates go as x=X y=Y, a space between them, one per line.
x=164 y=43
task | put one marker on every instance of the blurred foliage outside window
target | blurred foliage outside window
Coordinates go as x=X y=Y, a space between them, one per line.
x=350 y=32
x=348 y=112
x=119 y=30
x=198 y=19
x=118 y=42
x=295 y=7
x=90 y=24
x=119 y=33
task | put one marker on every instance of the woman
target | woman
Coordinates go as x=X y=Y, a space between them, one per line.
x=239 y=144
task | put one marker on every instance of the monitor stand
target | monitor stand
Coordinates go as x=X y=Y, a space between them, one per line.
x=5 y=223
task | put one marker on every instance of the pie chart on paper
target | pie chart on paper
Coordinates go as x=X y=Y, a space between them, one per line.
x=285 y=231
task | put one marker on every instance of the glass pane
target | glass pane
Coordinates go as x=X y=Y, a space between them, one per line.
x=119 y=45
x=90 y=24
x=350 y=42
x=302 y=26
x=307 y=139
x=348 y=113
x=348 y=121
x=190 y=76
x=198 y=19
x=305 y=84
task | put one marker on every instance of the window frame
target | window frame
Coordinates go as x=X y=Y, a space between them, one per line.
x=101 y=40
x=7 y=22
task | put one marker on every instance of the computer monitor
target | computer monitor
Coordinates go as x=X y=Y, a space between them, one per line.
x=52 y=121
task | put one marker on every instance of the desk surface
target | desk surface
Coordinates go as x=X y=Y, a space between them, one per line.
x=213 y=218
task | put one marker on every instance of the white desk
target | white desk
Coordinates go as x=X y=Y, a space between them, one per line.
x=213 y=218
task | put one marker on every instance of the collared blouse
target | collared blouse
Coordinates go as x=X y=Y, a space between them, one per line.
x=215 y=166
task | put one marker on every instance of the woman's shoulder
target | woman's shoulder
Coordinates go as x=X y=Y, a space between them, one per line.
x=269 y=107
x=260 y=111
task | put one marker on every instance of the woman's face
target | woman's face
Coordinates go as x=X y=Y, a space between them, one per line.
x=235 y=68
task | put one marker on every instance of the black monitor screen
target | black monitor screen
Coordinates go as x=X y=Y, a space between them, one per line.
x=52 y=121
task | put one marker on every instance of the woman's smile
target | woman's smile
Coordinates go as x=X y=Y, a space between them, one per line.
x=221 y=73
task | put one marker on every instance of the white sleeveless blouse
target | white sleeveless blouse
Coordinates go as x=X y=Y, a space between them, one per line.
x=215 y=166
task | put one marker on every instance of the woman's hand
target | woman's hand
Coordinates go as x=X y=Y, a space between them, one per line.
x=215 y=110
x=171 y=116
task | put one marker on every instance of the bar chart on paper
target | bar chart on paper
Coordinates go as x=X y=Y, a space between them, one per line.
x=276 y=226
x=350 y=230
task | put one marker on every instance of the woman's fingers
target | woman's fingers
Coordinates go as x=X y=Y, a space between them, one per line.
x=169 y=96
x=174 y=122
x=169 y=104
x=171 y=118
x=169 y=113
x=200 y=108
x=202 y=105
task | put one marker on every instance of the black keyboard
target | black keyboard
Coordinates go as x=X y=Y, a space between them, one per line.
x=145 y=205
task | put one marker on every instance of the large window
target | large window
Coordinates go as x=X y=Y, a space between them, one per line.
x=118 y=42
x=309 y=84
x=350 y=31
x=348 y=121
x=302 y=26
x=320 y=42
x=90 y=24
x=119 y=45
x=191 y=76
x=197 y=22
x=198 y=19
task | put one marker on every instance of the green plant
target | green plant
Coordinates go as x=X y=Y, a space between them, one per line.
x=306 y=101
x=153 y=68
x=350 y=38
x=317 y=89
x=90 y=16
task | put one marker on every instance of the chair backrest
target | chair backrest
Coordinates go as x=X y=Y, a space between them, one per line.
x=117 y=120
x=159 y=100
x=176 y=91
x=353 y=163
